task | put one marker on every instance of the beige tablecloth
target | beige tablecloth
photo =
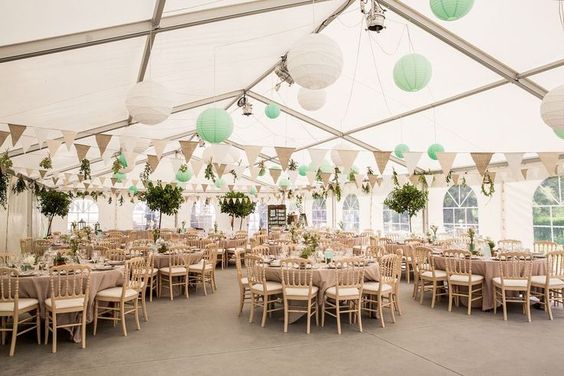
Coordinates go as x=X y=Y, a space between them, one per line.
x=163 y=260
x=490 y=269
x=38 y=287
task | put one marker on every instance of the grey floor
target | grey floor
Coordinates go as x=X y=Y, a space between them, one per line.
x=204 y=336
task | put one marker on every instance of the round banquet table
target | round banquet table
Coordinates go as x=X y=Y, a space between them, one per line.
x=37 y=286
x=322 y=277
x=490 y=269
x=162 y=260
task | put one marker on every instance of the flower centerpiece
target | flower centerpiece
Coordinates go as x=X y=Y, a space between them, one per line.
x=295 y=232
x=74 y=245
x=161 y=245
x=27 y=262
x=472 y=245
x=311 y=241
x=434 y=230
x=59 y=259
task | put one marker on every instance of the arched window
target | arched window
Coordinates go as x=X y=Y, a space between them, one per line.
x=319 y=213
x=203 y=215
x=351 y=213
x=83 y=209
x=258 y=219
x=548 y=210
x=143 y=217
x=394 y=221
x=460 y=208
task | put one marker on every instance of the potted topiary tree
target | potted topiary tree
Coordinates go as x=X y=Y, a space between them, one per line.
x=53 y=203
x=164 y=199
x=237 y=205
x=407 y=199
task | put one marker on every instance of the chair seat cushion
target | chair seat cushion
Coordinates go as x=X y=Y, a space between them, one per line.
x=199 y=266
x=511 y=282
x=374 y=287
x=344 y=292
x=244 y=280
x=438 y=274
x=300 y=291
x=540 y=281
x=77 y=303
x=115 y=292
x=23 y=303
x=271 y=287
x=173 y=270
x=462 y=278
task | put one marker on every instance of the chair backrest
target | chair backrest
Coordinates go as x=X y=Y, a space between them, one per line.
x=255 y=270
x=297 y=272
x=116 y=255
x=509 y=245
x=210 y=254
x=349 y=273
x=390 y=270
x=69 y=282
x=515 y=265
x=139 y=250
x=555 y=264
x=135 y=275
x=544 y=247
x=239 y=253
x=375 y=251
x=9 y=286
x=179 y=258
x=40 y=246
x=458 y=262
x=5 y=258
x=26 y=245
x=422 y=259
x=261 y=250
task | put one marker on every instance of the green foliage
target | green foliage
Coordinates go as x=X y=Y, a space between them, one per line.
x=292 y=165
x=164 y=199
x=5 y=165
x=407 y=199
x=311 y=241
x=262 y=168
x=53 y=203
x=488 y=188
x=234 y=209
x=145 y=174
x=85 y=169
x=20 y=185
x=209 y=174
x=46 y=163
x=116 y=166
x=366 y=187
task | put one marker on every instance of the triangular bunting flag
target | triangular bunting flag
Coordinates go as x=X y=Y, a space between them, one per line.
x=42 y=173
x=159 y=146
x=372 y=179
x=317 y=156
x=429 y=180
x=382 y=158
x=53 y=146
x=16 y=131
x=220 y=168
x=325 y=177
x=102 y=140
x=455 y=179
x=259 y=187
x=188 y=148
x=204 y=187
x=3 y=136
x=275 y=173
x=514 y=163
x=411 y=159
x=253 y=171
x=284 y=155
x=127 y=142
x=446 y=160
x=524 y=173
x=41 y=134
x=230 y=186
x=252 y=153
x=310 y=177
x=81 y=151
x=347 y=158
x=196 y=166
x=26 y=143
x=482 y=160
x=153 y=162
x=69 y=137
x=550 y=161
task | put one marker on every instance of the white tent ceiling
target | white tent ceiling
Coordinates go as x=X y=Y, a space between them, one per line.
x=65 y=66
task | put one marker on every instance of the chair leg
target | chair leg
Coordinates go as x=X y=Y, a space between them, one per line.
x=547 y=303
x=14 y=336
x=54 y=324
x=422 y=290
x=47 y=327
x=83 y=330
x=450 y=288
x=495 y=300
x=503 y=302
x=122 y=318
x=470 y=300
x=151 y=281
x=203 y=280
x=528 y=306
x=359 y=313
x=38 y=323
x=170 y=287
x=323 y=313
x=144 y=305
x=264 y=310
x=338 y=314
x=160 y=284
x=136 y=302
x=286 y=316
x=308 y=327
x=252 y=313
x=241 y=300
x=434 y=294
x=95 y=317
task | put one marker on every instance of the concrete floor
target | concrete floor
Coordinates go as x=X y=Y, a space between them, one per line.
x=204 y=336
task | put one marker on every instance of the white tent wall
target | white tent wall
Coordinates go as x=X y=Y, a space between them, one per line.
x=14 y=220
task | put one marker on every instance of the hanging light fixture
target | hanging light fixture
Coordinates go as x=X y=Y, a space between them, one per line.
x=283 y=74
x=451 y=10
x=400 y=149
x=412 y=72
x=434 y=149
x=374 y=16
x=272 y=111
x=311 y=100
x=149 y=103
x=552 y=108
x=244 y=104
x=315 y=62
x=214 y=125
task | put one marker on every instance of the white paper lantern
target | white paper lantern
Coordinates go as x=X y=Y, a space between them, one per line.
x=149 y=103
x=221 y=153
x=311 y=100
x=315 y=62
x=552 y=108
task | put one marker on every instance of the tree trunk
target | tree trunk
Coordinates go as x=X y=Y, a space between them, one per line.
x=241 y=224
x=49 y=226
x=232 y=221
x=410 y=229
x=160 y=219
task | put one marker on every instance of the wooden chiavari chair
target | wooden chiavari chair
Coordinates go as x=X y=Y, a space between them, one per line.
x=515 y=270
x=461 y=281
x=204 y=272
x=70 y=289
x=383 y=294
x=22 y=311
x=509 y=245
x=297 y=286
x=544 y=247
x=428 y=278
x=549 y=288
x=40 y=246
x=116 y=255
x=242 y=280
x=122 y=300
x=26 y=245
x=175 y=274
x=264 y=294
x=346 y=295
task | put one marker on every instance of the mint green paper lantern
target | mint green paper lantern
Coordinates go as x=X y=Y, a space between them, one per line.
x=120 y=176
x=219 y=183
x=253 y=190
x=272 y=111
x=183 y=176
x=302 y=170
x=325 y=166
x=412 y=72
x=214 y=125
x=133 y=189
x=559 y=132
x=400 y=149
x=122 y=160
x=283 y=182
x=451 y=10
x=433 y=150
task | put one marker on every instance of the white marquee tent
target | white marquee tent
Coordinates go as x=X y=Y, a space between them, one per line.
x=67 y=67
